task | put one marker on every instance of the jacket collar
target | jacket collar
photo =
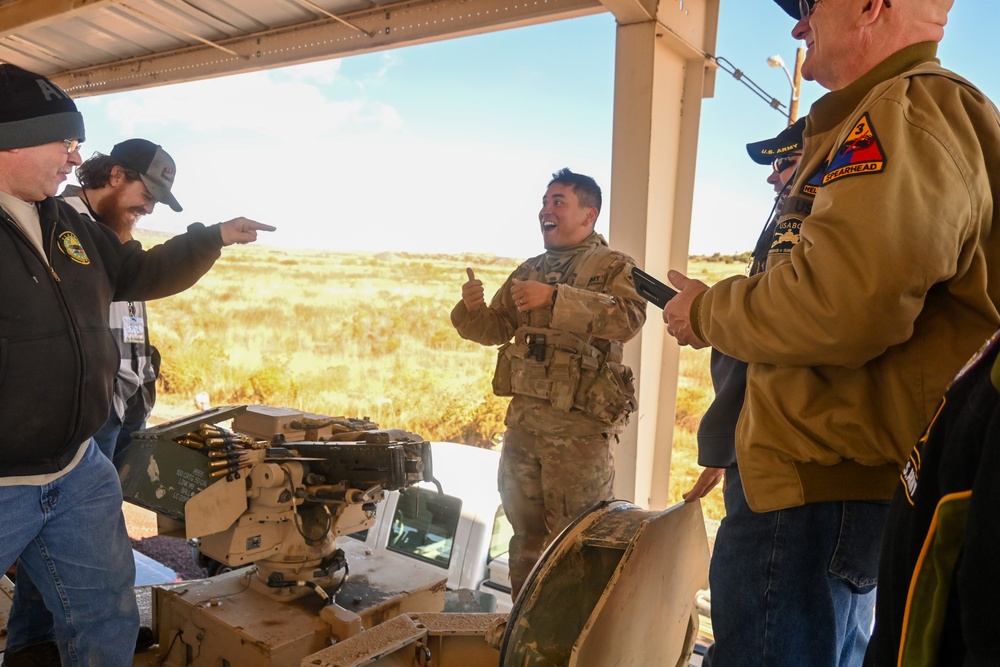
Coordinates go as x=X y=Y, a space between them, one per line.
x=829 y=111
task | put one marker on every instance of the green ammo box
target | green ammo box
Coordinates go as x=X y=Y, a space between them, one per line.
x=159 y=474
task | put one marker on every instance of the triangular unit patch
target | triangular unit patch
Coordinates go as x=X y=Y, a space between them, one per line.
x=860 y=154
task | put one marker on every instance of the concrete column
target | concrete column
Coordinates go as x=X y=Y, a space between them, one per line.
x=661 y=76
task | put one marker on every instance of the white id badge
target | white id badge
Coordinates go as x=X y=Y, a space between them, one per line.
x=132 y=331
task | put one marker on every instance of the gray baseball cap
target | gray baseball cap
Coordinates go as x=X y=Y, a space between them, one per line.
x=154 y=165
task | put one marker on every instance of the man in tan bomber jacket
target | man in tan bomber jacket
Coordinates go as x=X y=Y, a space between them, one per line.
x=882 y=279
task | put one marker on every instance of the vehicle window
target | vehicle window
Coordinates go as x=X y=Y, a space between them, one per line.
x=424 y=525
x=361 y=535
x=502 y=532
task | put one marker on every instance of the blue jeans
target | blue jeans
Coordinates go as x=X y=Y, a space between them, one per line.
x=115 y=436
x=107 y=437
x=794 y=586
x=70 y=540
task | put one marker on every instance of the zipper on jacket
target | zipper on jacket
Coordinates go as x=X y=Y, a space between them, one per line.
x=75 y=418
x=52 y=240
x=81 y=352
x=32 y=247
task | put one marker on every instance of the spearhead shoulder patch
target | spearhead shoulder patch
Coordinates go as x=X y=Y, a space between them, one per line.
x=861 y=153
x=71 y=246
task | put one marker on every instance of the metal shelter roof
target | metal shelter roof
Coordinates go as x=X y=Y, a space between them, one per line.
x=662 y=72
x=90 y=47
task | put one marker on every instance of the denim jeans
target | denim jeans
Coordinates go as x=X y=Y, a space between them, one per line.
x=794 y=586
x=69 y=537
x=114 y=438
x=107 y=437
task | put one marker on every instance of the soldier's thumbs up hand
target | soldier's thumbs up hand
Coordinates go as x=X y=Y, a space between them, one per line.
x=472 y=292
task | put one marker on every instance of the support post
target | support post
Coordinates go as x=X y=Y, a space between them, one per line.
x=661 y=76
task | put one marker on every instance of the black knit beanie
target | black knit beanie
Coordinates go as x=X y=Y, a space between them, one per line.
x=34 y=111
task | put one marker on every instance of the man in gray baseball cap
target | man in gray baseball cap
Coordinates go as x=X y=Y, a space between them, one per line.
x=118 y=189
x=155 y=167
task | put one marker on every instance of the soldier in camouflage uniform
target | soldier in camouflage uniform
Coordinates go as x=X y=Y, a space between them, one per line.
x=560 y=320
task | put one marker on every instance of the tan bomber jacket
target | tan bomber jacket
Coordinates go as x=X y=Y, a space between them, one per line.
x=882 y=279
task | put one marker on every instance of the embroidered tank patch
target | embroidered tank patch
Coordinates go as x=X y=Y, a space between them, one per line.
x=786 y=236
x=70 y=244
x=860 y=154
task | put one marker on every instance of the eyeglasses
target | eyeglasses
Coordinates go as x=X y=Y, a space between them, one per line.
x=72 y=145
x=807 y=7
x=782 y=163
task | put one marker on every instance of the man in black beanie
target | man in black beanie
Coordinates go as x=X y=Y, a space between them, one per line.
x=61 y=497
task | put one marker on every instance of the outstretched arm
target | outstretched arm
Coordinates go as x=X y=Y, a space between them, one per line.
x=242 y=230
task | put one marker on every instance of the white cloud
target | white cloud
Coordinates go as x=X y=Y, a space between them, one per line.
x=276 y=107
x=322 y=72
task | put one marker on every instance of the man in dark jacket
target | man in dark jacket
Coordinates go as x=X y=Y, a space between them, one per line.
x=60 y=272
x=717 y=432
x=938 y=578
x=115 y=190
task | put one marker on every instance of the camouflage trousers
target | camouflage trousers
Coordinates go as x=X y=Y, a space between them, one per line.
x=545 y=483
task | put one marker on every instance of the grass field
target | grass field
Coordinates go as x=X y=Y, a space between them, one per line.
x=364 y=335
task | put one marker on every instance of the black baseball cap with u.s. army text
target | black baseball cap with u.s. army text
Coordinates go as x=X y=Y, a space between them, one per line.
x=787 y=141
x=791 y=7
x=155 y=167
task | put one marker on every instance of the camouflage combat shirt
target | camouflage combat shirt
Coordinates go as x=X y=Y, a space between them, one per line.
x=607 y=309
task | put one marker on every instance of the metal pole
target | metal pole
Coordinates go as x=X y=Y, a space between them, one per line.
x=793 y=108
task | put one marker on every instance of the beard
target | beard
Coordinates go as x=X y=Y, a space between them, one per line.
x=120 y=219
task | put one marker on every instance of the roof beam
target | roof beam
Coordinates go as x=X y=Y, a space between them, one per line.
x=316 y=8
x=16 y=15
x=631 y=11
x=689 y=24
x=406 y=24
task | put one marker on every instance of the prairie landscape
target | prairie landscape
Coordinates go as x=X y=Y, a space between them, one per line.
x=366 y=334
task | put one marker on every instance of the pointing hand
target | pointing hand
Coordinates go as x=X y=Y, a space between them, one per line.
x=242 y=230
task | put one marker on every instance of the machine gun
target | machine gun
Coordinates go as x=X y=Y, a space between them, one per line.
x=259 y=493
x=275 y=491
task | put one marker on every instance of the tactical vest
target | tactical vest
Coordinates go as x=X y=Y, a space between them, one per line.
x=569 y=370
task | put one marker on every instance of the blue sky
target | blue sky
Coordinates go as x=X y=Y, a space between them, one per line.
x=446 y=147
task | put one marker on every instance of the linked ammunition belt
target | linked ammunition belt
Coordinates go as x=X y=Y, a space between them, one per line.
x=225 y=448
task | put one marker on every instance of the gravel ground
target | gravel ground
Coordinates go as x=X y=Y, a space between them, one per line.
x=174 y=552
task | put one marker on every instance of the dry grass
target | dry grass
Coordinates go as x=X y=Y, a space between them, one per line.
x=363 y=335
x=694 y=394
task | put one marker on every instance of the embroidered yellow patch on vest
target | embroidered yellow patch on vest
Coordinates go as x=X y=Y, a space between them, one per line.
x=70 y=244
